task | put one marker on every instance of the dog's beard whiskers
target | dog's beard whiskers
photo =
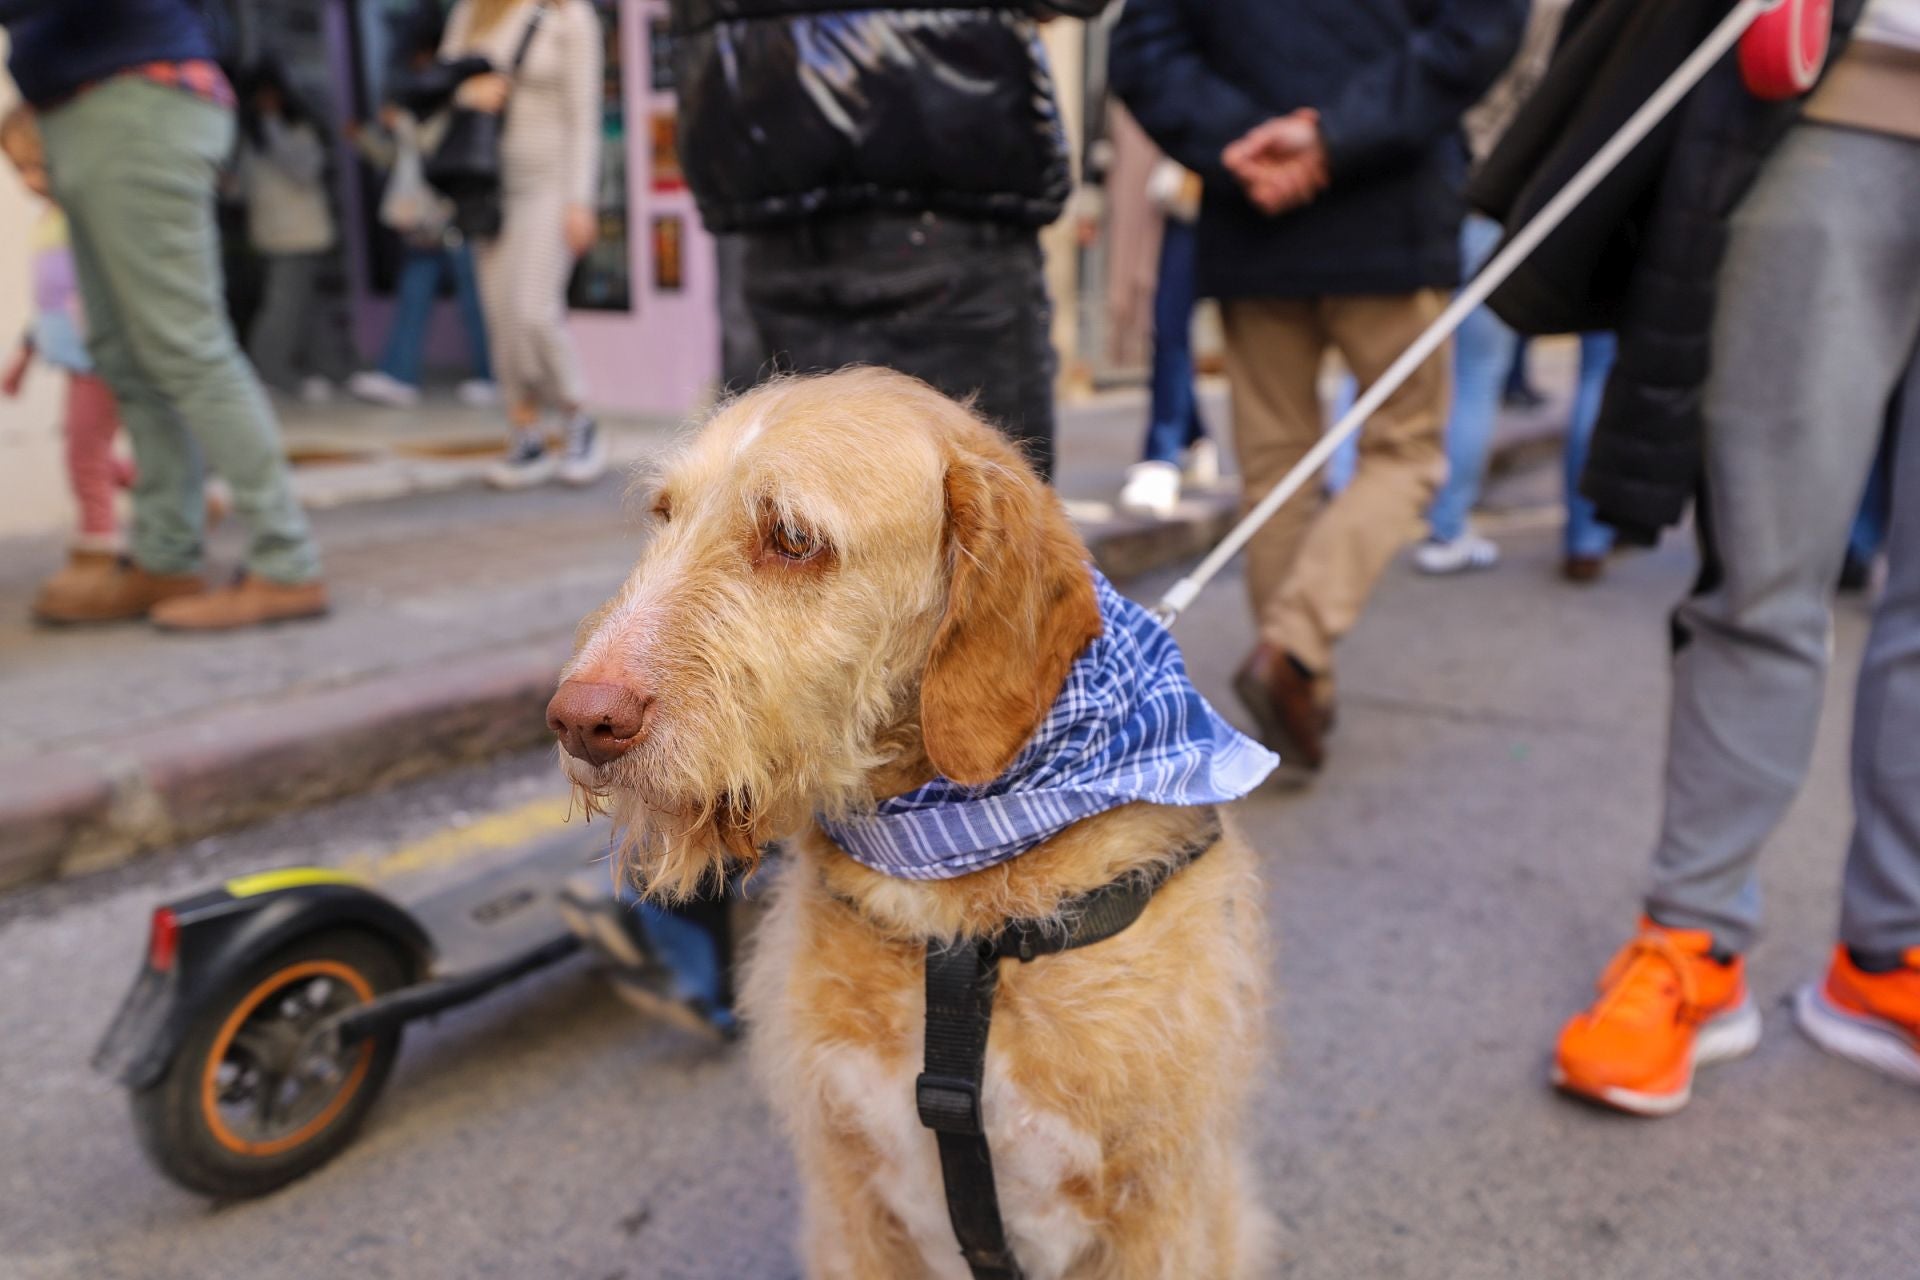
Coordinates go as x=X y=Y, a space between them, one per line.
x=751 y=738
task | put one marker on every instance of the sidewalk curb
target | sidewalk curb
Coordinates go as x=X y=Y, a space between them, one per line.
x=71 y=812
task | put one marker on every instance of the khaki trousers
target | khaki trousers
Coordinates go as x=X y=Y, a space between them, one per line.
x=1311 y=568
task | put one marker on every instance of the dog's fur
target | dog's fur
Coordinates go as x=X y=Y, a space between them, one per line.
x=928 y=634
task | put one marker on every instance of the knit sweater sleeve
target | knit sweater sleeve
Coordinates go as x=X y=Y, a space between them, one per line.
x=580 y=26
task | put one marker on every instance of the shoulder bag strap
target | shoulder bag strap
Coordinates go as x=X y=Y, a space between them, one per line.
x=526 y=39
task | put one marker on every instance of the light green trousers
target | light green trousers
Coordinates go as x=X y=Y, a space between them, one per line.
x=134 y=166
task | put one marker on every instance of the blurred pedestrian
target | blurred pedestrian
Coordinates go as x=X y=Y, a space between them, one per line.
x=432 y=248
x=890 y=205
x=282 y=172
x=546 y=58
x=137 y=120
x=1809 y=322
x=1484 y=351
x=57 y=338
x=1327 y=134
x=1516 y=388
x=1177 y=447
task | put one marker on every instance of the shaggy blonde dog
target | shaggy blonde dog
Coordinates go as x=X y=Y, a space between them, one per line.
x=854 y=585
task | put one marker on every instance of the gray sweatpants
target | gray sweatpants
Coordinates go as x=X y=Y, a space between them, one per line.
x=1818 y=323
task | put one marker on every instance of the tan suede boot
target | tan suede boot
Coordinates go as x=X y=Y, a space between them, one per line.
x=248 y=602
x=82 y=565
x=98 y=587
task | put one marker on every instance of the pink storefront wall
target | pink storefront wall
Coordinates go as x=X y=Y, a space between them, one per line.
x=660 y=358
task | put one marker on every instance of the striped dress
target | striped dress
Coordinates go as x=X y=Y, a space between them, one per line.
x=549 y=161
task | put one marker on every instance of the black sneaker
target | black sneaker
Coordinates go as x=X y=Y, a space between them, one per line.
x=1856 y=574
x=585 y=459
x=528 y=463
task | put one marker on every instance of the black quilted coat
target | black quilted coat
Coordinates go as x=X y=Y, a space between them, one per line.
x=792 y=108
x=1642 y=255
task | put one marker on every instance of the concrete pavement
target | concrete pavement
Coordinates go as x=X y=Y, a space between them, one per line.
x=1441 y=899
x=453 y=609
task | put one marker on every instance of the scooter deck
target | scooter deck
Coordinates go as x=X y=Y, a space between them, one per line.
x=510 y=909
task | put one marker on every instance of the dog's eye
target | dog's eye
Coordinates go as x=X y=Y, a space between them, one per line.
x=792 y=542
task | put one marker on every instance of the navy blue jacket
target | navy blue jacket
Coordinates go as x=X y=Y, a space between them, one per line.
x=60 y=45
x=1390 y=79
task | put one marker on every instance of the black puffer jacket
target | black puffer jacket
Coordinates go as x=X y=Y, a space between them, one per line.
x=1642 y=254
x=791 y=108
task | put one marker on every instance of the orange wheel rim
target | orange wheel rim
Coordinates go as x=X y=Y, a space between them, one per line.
x=209 y=1079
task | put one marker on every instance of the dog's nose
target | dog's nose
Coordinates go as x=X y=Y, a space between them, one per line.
x=597 y=723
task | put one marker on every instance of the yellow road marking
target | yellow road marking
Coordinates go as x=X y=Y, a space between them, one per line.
x=286 y=878
x=443 y=848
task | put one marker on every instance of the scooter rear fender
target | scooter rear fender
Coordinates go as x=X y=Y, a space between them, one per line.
x=220 y=933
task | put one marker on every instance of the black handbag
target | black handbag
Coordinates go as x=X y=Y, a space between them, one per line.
x=465 y=167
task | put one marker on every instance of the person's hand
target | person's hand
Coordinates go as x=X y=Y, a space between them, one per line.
x=1281 y=163
x=389 y=117
x=582 y=229
x=486 y=92
x=16 y=377
x=1086 y=231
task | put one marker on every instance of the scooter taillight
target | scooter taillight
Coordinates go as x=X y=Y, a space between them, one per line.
x=162 y=940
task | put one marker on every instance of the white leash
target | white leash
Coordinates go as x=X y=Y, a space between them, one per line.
x=1638 y=126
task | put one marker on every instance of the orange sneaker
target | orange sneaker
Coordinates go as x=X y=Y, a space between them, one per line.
x=1871 y=1018
x=1666 y=1007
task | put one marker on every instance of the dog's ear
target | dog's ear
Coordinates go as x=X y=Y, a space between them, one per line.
x=1020 y=608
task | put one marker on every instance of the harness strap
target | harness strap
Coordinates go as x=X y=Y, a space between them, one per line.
x=962 y=976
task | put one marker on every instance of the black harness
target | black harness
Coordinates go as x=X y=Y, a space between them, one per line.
x=962 y=977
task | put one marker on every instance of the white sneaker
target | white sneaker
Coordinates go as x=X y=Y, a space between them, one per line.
x=477 y=393
x=376 y=387
x=1468 y=551
x=1152 y=489
x=528 y=463
x=315 y=389
x=585 y=458
x=1202 y=470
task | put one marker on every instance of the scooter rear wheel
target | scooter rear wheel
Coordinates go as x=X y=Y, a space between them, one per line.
x=253 y=1100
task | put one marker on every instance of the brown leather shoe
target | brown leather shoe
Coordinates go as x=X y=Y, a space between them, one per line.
x=1583 y=569
x=114 y=591
x=248 y=602
x=1281 y=701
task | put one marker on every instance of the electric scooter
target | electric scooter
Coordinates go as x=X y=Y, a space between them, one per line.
x=268 y=1011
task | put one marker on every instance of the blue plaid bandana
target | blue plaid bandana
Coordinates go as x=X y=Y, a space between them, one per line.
x=1128 y=725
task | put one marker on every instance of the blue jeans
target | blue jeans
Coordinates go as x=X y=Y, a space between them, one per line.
x=693 y=940
x=1482 y=354
x=1876 y=507
x=414 y=295
x=1586 y=536
x=1346 y=459
x=1175 y=421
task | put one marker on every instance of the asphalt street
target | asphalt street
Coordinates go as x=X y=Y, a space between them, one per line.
x=1442 y=898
